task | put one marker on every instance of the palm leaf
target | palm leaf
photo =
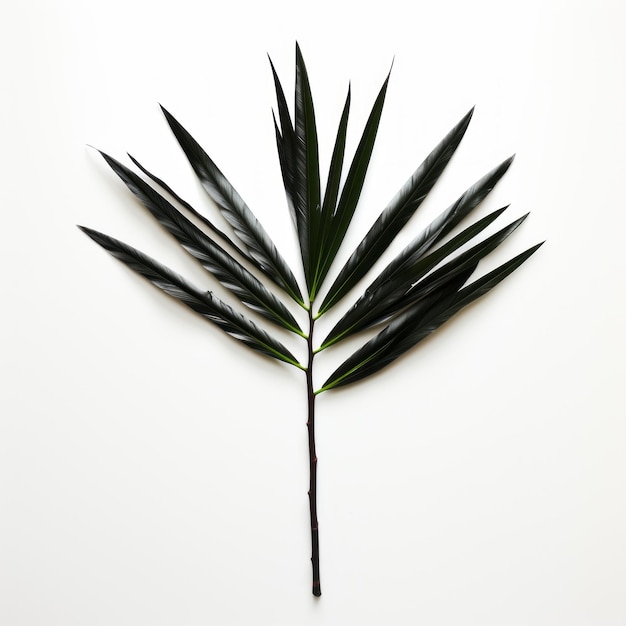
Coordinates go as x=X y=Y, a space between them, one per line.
x=307 y=188
x=419 y=321
x=230 y=273
x=205 y=220
x=331 y=194
x=444 y=274
x=247 y=228
x=351 y=191
x=471 y=198
x=384 y=298
x=285 y=143
x=480 y=287
x=379 y=351
x=202 y=302
x=443 y=224
x=395 y=215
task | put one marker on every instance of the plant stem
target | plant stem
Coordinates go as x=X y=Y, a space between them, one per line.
x=315 y=545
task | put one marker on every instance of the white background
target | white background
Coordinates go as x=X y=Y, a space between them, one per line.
x=154 y=472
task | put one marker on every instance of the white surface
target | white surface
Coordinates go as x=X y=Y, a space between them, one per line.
x=154 y=472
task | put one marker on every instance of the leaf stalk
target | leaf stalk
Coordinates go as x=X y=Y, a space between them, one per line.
x=315 y=546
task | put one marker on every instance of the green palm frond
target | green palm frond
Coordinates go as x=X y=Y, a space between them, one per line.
x=418 y=291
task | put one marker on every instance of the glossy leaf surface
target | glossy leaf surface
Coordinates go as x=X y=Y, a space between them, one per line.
x=205 y=220
x=396 y=215
x=351 y=191
x=331 y=195
x=443 y=224
x=230 y=273
x=391 y=342
x=384 y=298
x=285 y=143
x=419 y=321
x=247 y=228
x=307 y=187
x=202 y=302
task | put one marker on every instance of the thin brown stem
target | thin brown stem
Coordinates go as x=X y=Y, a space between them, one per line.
x=315 y=545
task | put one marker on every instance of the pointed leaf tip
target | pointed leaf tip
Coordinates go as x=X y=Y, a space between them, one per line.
x=166 y=113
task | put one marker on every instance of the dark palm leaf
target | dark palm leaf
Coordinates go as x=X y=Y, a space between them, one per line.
x=307 y=188
x=379 y=351
x=351 y=191
x=285 y=142
x=205 y=220
x=213 y=258
x=411 y=264
x=417 y=322
x=395 y=215
x=480 y=287
x=452 y=268
x=443 y=224
x=331 y=195
x=202 y=302
x=236 y=212
x=384 y=298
